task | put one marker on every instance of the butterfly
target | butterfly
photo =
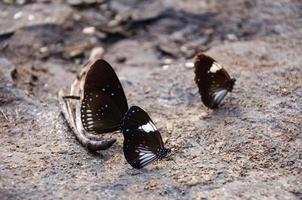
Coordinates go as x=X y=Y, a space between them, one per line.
x=143 y=143
x=104 y=102
x=104 y=108
x=212 y=80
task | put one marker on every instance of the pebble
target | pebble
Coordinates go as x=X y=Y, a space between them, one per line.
x=231 y=37
x=170 y=127
x=96 y=53
x=31 y=18
x=44 y=49
x=18 y=15
x=165 y=67
x=90 y=30
x=189 y=65
x=117 y=19
x=167 y=61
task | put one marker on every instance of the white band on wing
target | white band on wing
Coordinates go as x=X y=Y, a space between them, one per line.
x=215 y=67
x=218 y=96
x=149 y=127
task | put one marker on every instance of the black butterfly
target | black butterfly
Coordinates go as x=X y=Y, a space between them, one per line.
x=104 y=109
x=104 y=102
x=212 y=79
x=143 y=143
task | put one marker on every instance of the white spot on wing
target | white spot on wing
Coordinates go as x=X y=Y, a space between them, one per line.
x=215 y=67
x=149 y=127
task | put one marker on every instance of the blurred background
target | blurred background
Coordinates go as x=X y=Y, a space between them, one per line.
x=249 y=148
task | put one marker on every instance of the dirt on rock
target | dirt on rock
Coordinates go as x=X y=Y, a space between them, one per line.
x=249 y=148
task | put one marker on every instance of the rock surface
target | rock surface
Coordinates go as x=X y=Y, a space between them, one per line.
x=250 y=148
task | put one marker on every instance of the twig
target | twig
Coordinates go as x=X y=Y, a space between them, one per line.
x=71 y=113
x=4 y=115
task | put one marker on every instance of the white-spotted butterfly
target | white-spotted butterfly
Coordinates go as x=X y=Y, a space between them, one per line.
x=143 y=143
x=212 y=80
x=104 y=102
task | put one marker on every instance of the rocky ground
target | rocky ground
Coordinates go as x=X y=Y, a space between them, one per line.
x=250 y=148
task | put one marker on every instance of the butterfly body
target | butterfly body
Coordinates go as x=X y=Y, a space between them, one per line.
x=212 y=80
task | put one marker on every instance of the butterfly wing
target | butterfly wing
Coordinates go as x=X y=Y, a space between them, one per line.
x=104 y=102
x=142 y=141
x=212 y=79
